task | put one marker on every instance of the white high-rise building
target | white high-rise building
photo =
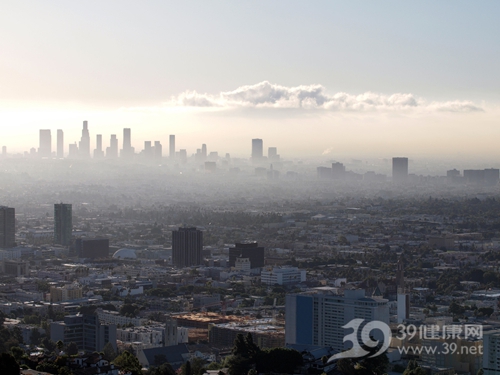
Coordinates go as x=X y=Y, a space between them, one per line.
x=318 y=318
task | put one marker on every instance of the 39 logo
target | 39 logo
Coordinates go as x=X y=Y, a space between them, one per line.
x=368 y=347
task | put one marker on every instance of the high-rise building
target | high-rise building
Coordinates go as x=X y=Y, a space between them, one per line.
x=399 y=169
x=7 y=227
x=257 y=150
x=171 y=146
x=63 y=223
x=4 y=151
x=112 y=150
x=45 y=149
x=491 y=352
x=272 y=154
x=60 y=143
x=204 y=151
x=73 y=150
x=86 y=331
x=158 y=150
x=84 y=146
x=187 y=244
x=148 y=150
x=318 y=318
x=250 y=250
x=98 y=152
x=338 y=171
x=127 y=150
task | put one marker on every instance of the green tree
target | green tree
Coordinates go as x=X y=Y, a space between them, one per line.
x=128 y=362
x=163 y=369
x=414 y=369
x=72 y=348
x=17 y=353
x=59 y=345
x=109 y=352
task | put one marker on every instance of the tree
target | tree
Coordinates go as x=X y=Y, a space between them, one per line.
x=49 y=344
x=414 y=369
x=187 y=369
x=163 y=369
x=17 y=353
x=72 y=348
x=59 y=345
x=109 y=352
x=128 y=362
x=35 y=336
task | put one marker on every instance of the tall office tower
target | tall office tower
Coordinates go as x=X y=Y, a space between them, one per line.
x=318 y=318
x=127 y=150
x=183 y=155
x=60 y=144
x=73 y=150
x=148 y=150
x=257 y=150
x=491 y=176
x=158 y=150
x=84 y=146
x=204 y=151
x=45 y=149
x=7 y=227
x=272 y=154
x=63 y=224
x=187 y=244
x=98 y=152
x=338 y=171
x=171 y=146
x=250 y=250
x=112 y=150
x=86 y=331
x=399 y=169
x=4 y=151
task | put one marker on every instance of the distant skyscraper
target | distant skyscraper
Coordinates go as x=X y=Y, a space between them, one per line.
x=98 y=152
x=187 y=244
x=60 y=143
x=45 y=149
x=112 y=150
x=272 y=154
x=338 y=171
x=148 y=150
x=158 y=150
x=183 y=155
x=63 y=224
x=84 y=146
x=127 y=150
x=4 y=151
x=73 y=150
x=204 y=151
x=257 y=150
x=171 y=146
x=7 y=227
x=399 y=169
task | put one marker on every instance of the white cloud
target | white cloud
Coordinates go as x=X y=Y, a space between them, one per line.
x=313 y=97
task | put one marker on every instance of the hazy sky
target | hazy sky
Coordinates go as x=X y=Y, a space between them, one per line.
x=312 y=78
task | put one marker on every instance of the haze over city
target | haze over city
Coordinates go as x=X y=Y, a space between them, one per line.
x=346 y=79
x=249 y=188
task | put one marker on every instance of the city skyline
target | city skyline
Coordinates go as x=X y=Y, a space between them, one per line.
x=344 y=79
